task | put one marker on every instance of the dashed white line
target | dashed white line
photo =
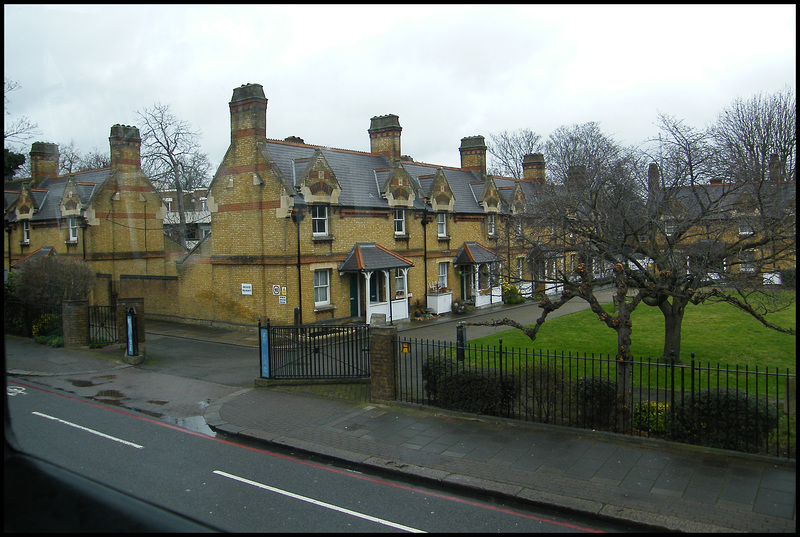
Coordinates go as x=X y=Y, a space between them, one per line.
x=319 y=503
x=81 y=427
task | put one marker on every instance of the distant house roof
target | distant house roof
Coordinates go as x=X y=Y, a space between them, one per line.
x=472 y=253
x=368 y=256
x=44 y=251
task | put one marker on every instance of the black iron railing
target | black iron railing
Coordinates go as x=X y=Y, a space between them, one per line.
x=29 y=319
x=316 y=351
x=728 y=407
x=102 y=325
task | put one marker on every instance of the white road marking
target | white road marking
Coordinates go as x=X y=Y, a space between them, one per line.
x=319 y=503
x=81 y=427
x=15 y=390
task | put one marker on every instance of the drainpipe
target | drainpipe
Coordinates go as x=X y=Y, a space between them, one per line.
x=298 y=213
x=425 y=253
x=8 y=231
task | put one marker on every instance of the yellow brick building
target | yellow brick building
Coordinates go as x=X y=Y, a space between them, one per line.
x=110 y=217
x=308 y=233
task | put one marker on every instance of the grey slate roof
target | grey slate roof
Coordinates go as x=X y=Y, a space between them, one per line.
x=47 y=196
x=362 y=176
x=368 y=256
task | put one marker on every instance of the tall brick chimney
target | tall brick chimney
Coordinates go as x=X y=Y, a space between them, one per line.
x=473 y=154
x=384 y=136
x=125 y=145
x=44 y=162
x=576 y=176
x=248 y=112
x=775 y=168
x=533 y=168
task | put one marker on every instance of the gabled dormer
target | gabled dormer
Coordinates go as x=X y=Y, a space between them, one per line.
x=489 y=198
x=398 y=188
x=318 y=183
x=517 y=200
x=440 y=195
x=25 y=206
x=71 y=204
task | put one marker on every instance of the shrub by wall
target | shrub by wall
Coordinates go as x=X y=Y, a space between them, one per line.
x=597 y=399
x=724 y=418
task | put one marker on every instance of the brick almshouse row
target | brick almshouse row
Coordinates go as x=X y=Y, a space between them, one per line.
x=287 y=231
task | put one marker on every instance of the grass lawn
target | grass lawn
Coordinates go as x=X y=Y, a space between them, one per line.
x=716 y=333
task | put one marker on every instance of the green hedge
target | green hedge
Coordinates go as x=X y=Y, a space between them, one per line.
x=724 y=418
x=597 y=400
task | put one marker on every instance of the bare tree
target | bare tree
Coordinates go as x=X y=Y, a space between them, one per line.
x=15 y=131
x=171 y=156
x=749 y=132
x=94 y=160
x=509 y=148
x=660 y=240
x=69 y=158
x=20 y=129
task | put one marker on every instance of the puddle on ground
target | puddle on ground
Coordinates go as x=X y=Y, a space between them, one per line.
x=194 y=423
x=110 y=393
x=158 y=402
x=81 y=383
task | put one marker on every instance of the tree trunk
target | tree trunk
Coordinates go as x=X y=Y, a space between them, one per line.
x=624 y=369
x=673 y=319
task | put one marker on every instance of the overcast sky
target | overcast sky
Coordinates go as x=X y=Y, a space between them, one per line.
x=447 y=71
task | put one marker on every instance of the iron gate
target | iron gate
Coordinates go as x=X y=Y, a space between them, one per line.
x=314 y=351
x=102 y=324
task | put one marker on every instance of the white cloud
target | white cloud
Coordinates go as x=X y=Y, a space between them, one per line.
x=448 y=71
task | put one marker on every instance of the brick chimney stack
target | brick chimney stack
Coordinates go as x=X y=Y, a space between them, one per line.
x=44 y=162
x=473 y=154
x=125 y=145
x=384 y=136
x=533 y=168
x=248 y=113
x=775 y=168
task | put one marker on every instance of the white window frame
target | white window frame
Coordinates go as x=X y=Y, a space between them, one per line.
x=399 y=222
x=399 y=282
x=490 y=225
x=72 y=229
x=322 y=287
x=441 y=224
x=443 y=275
x=26 y=232
x=747 y=261
x=520 y=267
x=745 y=229
x=670 y=228
x=319 y=219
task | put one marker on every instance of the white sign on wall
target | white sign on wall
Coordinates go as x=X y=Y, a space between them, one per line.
x=276 y=290
x=247 y=288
